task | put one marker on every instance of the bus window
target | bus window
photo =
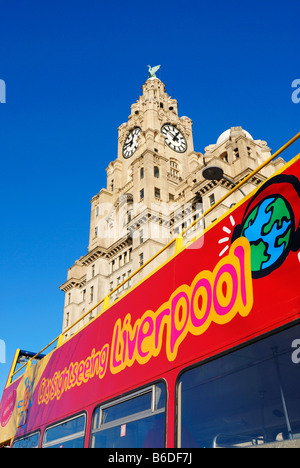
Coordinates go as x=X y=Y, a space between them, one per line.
x=67 y=434
x=249 y=397
x=135 y=421
x=30 y=441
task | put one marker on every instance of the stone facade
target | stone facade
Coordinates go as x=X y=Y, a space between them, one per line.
x=155 y=189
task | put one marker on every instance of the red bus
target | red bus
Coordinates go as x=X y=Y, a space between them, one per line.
x=204 y=352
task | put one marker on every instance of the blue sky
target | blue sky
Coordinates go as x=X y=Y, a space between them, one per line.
x=72 y=69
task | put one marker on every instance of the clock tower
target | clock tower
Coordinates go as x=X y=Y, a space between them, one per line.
x=153 y=137
x=155 y=188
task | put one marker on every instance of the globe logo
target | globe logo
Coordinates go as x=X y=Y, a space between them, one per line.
x=268 y=227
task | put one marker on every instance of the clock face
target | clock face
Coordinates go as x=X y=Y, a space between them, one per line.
x=174 y=138
x=131 y=142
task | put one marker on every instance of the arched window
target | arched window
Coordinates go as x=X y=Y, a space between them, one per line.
x=224 y=156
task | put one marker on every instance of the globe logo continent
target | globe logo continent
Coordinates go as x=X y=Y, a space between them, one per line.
x=268 y=227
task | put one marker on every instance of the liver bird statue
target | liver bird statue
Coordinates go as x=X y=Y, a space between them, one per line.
x=152 y=71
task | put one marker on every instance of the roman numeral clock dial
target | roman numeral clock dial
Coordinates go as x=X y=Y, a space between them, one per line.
x=131 y=143
x=174 y=138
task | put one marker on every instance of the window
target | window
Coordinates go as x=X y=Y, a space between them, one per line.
x=142 y=194
x=171 y=197
x=92 y=294
x=174 y=171
x=236 y=153
x=123 y=279
x=141 y=236
x=93 y=271
x=224 y=156
x=141 y=257
x=156 y=172
x=141 y=173
x=135 y=421
x=67 y=434
x=30 y=441
x=245 y=398
x=212 y=200
x=67 y=319
x=129 y=281
x=157 y=192
x=96 y=231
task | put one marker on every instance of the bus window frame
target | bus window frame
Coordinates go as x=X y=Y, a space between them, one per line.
x=25 y=436
x=66 y=439
x=230 y=350
x=136 y=392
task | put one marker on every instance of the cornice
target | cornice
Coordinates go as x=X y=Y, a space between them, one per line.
x=73 y=283
x=93 y=255
x=106 y=253
x=118 y=246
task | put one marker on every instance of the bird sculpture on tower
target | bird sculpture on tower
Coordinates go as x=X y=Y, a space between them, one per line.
x=153 y=70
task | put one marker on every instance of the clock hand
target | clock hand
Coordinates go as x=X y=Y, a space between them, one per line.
x=175 y=138
x=130 y=140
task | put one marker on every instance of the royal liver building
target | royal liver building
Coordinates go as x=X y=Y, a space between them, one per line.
x=156 y=187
